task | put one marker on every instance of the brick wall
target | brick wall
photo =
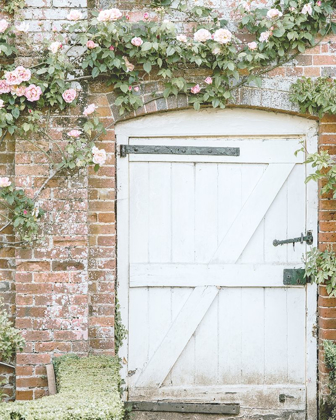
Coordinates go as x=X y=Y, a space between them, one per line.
x=64 y=300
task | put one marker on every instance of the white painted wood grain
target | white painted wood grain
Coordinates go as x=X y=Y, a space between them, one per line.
x=139 y=212
x=296 y=304
x=253 y=337
x=296 y=208
x=254 y=250
x=183 y=209
x=276 y=336
x=276 y=223
x=194 y=275
x=159 y=224
x=138 y=337
x=183 y=371
x=252 y=213
x=230 y=323
x=205 y=211
x=177 y=337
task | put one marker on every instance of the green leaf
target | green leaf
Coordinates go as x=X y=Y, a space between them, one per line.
x=16 y=112
x=146 y=46
x=147 y=67
x=170 y=51
x=26 y=127
x=231 y=66
x=95 y=72
x=124 y=88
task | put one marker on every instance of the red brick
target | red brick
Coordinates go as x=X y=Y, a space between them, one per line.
x=24 y=395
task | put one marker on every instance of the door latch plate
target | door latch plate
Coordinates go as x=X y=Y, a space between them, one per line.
x=295 y=277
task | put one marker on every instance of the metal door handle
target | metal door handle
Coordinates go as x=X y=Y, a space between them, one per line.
x=308 y=238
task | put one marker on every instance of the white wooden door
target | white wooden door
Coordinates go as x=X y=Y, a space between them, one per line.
x=208 y=315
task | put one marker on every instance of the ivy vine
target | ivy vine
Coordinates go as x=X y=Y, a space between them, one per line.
x=125 y=54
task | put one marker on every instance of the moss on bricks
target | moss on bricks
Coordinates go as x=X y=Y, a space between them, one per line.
x=88 y=389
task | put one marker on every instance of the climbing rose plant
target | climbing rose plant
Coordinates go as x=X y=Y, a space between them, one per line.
x=124 y=53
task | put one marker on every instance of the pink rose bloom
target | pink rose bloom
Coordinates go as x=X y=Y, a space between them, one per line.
x=91 y=45
x=111 y=48
x=90 y=109
x=222 y=36
x=307 y=9
x=23 y=27
x=109 y=15
x=75 y=133
x=24 y=74
x=136 y=89
x=55 y=46
x=146 y=16
x=202 y=35
x=18 y=90
x=196 y=89
x=182 y=38
x=129 y=88
x=69 y=95
x=319 y=3
x=13 y=77
x=25 y=212
x=208 y=80
x=4 y=87
x=264 y=36
x=33 y=93
x=273 y=14
x=2 y=104
x=4 y=182
x=252 y=45
x=74 y=15
x=3 y=25
x=99 y=156
x=137 y=42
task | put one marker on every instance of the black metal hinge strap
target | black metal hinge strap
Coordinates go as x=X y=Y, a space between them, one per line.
x=178 y=150
x=178 y=407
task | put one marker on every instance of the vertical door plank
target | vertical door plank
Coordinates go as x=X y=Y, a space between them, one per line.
x=139 y=207
x=276 y=345
x=183 y=371
x=296 y=315
x=183 y=227
x=159 y=303
x=206 y=348
x=138 y=334
x=276 y=222
x=159 y=212
x=205 y=211
x=253 y=340
x=230 y=336
x=229 y=197
x=296 y=212
x=254 y=250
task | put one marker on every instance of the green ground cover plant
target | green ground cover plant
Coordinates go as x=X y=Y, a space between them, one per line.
x=88 y=389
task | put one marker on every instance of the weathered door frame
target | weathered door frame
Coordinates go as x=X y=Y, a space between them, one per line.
x=210 y=122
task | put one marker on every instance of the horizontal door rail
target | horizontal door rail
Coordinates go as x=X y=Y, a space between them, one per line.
x=178 y=150
x=176 y=407
x=220 y=275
